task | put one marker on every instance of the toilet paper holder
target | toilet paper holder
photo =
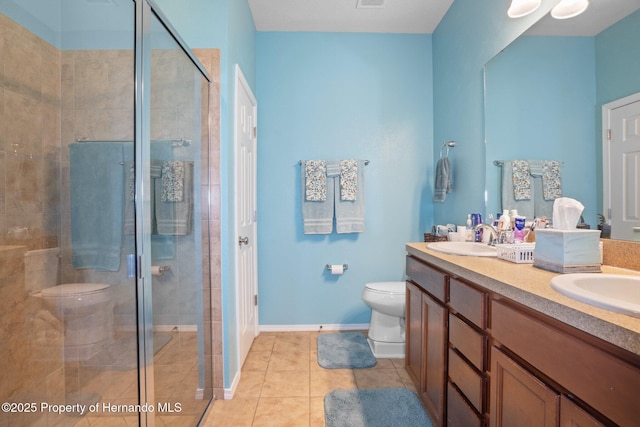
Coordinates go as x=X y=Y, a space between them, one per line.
x=344 y=267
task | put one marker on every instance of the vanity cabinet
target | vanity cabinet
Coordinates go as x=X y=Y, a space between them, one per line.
x=426 y=333
x=569 y=365
x=478 y=359
x=467 y=365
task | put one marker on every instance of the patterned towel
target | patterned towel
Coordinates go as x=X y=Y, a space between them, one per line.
x=551 y=181
x=316 y=180
x=521 y=180
x=172 y=181
x=348 y=179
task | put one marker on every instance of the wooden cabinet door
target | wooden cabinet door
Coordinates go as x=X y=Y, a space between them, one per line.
x=519 y=399
x=434 y=324
x=571 y=415
x=413 y=358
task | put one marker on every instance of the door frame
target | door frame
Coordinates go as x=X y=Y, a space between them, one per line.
x=606 y=148
x=242 y=84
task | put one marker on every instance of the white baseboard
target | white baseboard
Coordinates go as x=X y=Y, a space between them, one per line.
x=199 y=393
x=229 y=392
x=315 y=328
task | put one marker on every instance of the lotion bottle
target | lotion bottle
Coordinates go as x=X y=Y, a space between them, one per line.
x=469 y=231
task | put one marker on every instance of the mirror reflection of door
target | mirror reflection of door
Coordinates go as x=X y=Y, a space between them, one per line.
x=621 y=166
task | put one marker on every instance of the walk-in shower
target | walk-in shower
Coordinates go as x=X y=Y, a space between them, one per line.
x=105 y=222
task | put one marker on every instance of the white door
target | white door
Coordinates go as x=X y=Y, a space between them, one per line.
x=621 y=165
x=245 y=203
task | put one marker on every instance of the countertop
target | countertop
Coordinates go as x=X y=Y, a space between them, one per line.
x=530 y=286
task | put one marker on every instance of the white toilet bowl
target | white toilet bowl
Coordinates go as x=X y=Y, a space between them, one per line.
x=86 y=309
x=388 y=309
x=87 y=312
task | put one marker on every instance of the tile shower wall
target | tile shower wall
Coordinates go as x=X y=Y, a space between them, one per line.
x=48 y=96
x=210 y=59
x=32 y=338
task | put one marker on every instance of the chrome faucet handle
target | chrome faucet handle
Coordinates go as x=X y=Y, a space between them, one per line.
x=493 y=236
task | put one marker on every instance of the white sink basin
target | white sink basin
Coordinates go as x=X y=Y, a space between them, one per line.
x=615 y=292
x=463 y=248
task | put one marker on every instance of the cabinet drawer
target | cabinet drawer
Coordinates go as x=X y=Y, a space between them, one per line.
x=469 y=302
x=597 y=377
x=459 y=413
x=468 y=381
x=428 y=278
x=471 y=343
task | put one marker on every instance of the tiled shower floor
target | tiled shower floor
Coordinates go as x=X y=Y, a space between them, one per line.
x=175 y=380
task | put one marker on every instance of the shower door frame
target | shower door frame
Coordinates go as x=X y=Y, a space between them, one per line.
x=145 y=10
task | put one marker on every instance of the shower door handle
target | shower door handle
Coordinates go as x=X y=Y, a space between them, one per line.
x=243 y=240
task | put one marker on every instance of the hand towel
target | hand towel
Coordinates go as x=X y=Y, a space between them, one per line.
x=315 y=180
x=96 y=183
x=350 y=214
x=172 y=181
x=348 y=180
x=317 y=215
x=525 y=207
x=542 y=205
x=521 y=180
x=443 y=184
x=551 y=180
x=175 y=218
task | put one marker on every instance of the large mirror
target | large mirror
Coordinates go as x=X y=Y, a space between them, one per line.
x=544 y=95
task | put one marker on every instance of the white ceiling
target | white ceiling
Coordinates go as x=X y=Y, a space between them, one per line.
x=396 y=16
x=411 y=16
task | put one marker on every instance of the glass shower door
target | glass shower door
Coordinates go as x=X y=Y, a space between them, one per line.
x=178 y=179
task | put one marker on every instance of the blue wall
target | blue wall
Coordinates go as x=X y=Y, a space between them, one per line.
x=339 y=96
x=540 y=104
x=470 y=34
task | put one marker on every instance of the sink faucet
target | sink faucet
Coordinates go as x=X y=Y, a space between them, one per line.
x=494 y=236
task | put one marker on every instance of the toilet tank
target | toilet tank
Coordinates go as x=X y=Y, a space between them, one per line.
x=41 y=269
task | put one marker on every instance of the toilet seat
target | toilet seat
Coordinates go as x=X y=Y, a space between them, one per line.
x=387 y=288
x=74 y=289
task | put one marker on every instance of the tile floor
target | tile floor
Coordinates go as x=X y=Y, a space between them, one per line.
x=175 y=380
x=281 y=384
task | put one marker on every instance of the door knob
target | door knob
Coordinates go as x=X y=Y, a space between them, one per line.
x=243 y=240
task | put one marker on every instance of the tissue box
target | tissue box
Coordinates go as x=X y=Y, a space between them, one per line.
x=567 y=251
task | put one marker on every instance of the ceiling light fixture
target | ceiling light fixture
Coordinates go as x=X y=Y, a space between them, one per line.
x=520 y=8
x=569 y=8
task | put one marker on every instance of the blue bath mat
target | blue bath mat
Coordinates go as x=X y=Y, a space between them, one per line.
x=384 y=407
x=346 y=350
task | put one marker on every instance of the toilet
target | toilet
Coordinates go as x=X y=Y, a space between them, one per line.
x=86 y=309
x=386 y=335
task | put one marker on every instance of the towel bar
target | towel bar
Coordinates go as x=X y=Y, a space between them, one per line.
x=366 y=162
x=500 y=163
